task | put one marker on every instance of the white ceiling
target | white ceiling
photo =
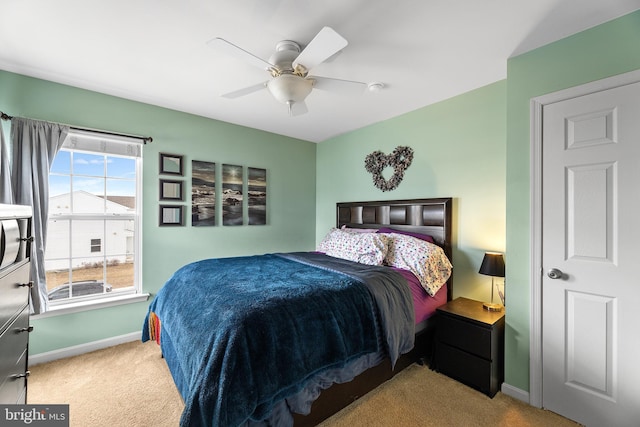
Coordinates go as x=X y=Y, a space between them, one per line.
x=155 y=51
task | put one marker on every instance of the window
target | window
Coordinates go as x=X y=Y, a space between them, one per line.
x=94 y=227
x=96 y=245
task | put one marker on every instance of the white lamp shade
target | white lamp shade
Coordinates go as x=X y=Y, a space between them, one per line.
x=289 y=88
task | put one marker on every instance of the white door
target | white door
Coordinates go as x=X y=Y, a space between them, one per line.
x=591 y=237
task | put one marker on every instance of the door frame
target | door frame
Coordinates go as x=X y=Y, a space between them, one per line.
x=535 y=263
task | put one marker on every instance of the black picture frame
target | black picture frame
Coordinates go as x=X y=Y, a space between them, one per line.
x=232 y=195
x=171 y=215
x=203 y=193
x=257 y=196
x=171 y=164
x=171 y=190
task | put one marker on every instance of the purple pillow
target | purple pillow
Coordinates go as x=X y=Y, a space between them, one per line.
x=420 y=236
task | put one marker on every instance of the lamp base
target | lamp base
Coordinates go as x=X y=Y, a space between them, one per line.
x=492 y=306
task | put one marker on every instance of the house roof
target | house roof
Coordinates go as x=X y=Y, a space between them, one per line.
x=128 y=201
x=59 y=200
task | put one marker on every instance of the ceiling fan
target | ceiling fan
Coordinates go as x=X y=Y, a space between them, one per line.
x=289 y=67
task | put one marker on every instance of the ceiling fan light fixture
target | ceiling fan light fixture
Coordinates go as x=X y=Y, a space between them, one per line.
x=289 y=88
x=289 y=67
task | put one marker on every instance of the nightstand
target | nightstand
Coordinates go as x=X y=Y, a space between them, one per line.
x=470 y=344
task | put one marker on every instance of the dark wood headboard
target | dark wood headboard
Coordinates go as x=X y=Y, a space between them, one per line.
x=427 y=216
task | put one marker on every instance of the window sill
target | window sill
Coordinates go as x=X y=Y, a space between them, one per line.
x=78 y=307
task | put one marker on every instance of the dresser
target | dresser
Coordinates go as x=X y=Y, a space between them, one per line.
x=470 y=344
x=15 y=284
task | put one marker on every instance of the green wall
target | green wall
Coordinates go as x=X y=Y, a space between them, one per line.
x=459 y=151
x=609 y=49
x=291 y=192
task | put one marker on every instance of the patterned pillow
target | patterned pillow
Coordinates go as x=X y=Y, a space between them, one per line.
x=425 y=260
x=365 y=248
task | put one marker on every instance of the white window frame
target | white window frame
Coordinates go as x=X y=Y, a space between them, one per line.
x=96 y=143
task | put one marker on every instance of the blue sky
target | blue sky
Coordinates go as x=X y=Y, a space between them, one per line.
x=88 y=174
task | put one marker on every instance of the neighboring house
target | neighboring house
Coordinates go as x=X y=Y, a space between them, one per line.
x=115 y=244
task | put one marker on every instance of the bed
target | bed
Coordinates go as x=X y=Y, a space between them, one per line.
x=290 y=339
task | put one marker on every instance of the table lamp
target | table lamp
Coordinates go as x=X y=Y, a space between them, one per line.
x=492 y=265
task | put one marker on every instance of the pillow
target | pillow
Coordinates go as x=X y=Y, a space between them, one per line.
x=420 y=236
x=365 y=248
x=358 y=230
x=425 y=260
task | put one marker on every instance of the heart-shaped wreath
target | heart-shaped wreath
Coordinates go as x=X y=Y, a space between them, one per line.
x=400 y=159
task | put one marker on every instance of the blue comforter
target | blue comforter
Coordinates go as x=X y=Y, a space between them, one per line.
x=241 y=334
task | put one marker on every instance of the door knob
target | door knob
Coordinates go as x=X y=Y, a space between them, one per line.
x=554 y=273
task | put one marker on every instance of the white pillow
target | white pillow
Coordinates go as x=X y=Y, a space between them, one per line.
x=365 y=248
x=425 y=260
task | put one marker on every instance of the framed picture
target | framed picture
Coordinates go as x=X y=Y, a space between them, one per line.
x=203 y=193
x=257 y=192
x=171 y=215
x=171 y=190
x=232 y=195
x=171 y=164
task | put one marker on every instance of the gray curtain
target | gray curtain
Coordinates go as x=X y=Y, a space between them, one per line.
x=6 y=195
x=34 y=145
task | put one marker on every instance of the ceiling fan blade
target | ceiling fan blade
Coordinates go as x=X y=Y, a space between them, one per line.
x=244 y=91
x=345 y=87
x=297 y=108
x=325 y=44
x=239 y=53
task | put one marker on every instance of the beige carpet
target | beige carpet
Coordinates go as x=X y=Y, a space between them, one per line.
x=130 y=385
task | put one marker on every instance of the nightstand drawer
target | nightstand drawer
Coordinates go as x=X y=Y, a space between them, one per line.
x=466 y=368
x=465 y=336
x=470 y=344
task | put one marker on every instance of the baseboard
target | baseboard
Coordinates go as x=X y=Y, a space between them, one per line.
x=75 y=350
x=515 y=392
